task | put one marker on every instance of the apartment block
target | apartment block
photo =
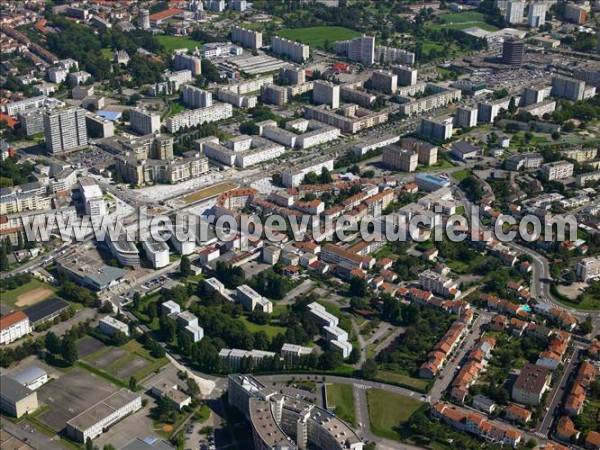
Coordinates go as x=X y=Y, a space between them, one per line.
x=489 y=110
x=65 y=130
x=398 y=158
x=428 y=154
x=144 y=122
x=536 y=16
x=557 y=170
x=466 y=116
x=196 y=97
x=588 y=269
x=353 y=120
x=406 y=75
x=515 y=11
x=386 y=82
x=325 y=92
x=292 y=50
x=247 y=38
x=533 y=381
x=568 y=88
x=182 y=61
x=437 y=129
x=195 y=117
x=358 y=49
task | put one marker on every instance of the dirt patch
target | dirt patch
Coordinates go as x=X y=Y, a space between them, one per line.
x=128 y=370
x=209 y=192
x=87 y=346
x=33 y=297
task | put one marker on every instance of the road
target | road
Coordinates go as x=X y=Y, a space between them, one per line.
x=558 y=393
x=447 y=374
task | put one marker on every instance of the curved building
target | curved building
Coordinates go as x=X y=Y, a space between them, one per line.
x=125 y=251
x=282 y=422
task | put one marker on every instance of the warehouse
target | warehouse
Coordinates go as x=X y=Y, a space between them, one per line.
x=98 y=418
x=16 y=399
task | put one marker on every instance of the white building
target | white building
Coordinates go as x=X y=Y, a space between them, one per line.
x=344 y=347
x=251 y=300
x=406 y=75
x=110 y=325
x=144 y=122
x=466 y=116
x=358 y=49
x=437 y=129
x=31 y=377
x=157 y=252
x=557 y=170
x=65 y=130
x=196 y=97
x=588 y=269
x=321 y=316
x=295 y=51
x=195 y=117
x=386 y=82
x=95 y=420
x=515 y=11
x=233 y=357
x=325 y=92
x=247 y=38
x=295 y=351
x=14 y=326
x=537 y=13
x=182 y=61
x=93 y=199
x=293 y=177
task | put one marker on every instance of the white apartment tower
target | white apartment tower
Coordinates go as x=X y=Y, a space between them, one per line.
x=196 y=97
x=515 y=10
x=537 y=14
x=325 y=92
x=144 y=122
x=65 y=130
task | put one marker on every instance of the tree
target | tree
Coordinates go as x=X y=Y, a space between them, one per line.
x=88 y=444
x=358 y=287
x=132 y=384
x=137 y=299
x=587 y=326
x=193 y=389
x=68 y=349
x=369 y=369
x=512 y=106
x=329 y=360
x=555 y=135
x=568 y=127
x=185 y=267
x=4 y=264
x=52 y=343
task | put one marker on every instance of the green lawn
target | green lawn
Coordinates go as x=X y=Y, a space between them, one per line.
x=10 y=297
x=271 y=330
x=316 y=36
x=388 y=411
x=107 y=53
x=440 y=165
x=460 y=175
x=462 y=17
x=174 y=42
x=340 y=397
x=403 y=379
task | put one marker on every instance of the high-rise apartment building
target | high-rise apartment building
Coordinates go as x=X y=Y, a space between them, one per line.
x=437 y=129
x=406 y=75
x=515 y=10
x=247 y=38
x=512 y=52
x=537 y=14
x=295 y=51
x=325 y=92
x=360 y=49
x=466 y=116
x=144 y=122
x=65 y=130
x=196 y=97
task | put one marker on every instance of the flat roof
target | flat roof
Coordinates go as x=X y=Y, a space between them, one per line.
x=28 y=374
x=101 y=410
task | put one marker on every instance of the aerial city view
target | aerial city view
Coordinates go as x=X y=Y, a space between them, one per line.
x=299 y=224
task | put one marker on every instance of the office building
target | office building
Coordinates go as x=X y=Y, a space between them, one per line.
x=65 y=130
x=247 y=38
x=144 y=122
x=512 y=52
x=196 y=98
x=466 y=117
x=515 y=10
x=123 y=249
x=327 y=93
x=385 y=82
x=360 y=49
x=98 y=418
x=157 y=252
x=557 y=170
x=144 y=17
x=292 y=50
x=406 y=75
x=182 y=61
x=195 y=117
x=16 y=399
x=14 y=326
x=398 y=158
x=537 y=13
x=92 y=197
x=437 y=129
x=588 y=269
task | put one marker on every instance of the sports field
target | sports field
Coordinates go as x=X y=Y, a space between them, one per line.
x=27 y=295
x=316 y=36
x=174 y=42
